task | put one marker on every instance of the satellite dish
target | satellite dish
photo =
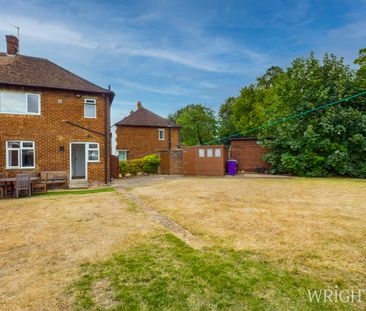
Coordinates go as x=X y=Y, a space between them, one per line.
x=59 y=101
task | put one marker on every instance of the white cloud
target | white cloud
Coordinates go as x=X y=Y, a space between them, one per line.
x=134 y=44
x=46 y=31
x=354 y=30
x=178 y=91
x=344 y=41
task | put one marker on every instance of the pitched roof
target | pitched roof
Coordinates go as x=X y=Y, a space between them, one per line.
x=144 y=117
x=39 y=72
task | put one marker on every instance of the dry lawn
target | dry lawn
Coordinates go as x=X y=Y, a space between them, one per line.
x=314 y=226
x=43 y=241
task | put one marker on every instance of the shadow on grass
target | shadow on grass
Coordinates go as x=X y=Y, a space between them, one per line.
x=165 y=273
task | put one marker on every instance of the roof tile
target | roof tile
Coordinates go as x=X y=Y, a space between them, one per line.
x=144 y=117
x=39 y=72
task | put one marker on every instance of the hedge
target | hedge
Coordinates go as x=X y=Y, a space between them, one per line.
x=148 y=164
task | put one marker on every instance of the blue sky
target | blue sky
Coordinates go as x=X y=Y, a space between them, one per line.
x=172 y=53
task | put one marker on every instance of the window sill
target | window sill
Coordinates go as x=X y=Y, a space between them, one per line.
x=20 y=113
x=20 y=168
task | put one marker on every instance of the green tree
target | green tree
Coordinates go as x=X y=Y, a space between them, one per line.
x=256 y=102
x=226 y=126
x=361 y=72
x=270 y=79
x=199 y=124
x=327 y=142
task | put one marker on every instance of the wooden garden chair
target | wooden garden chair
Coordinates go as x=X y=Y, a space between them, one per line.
x=42 y=184
x=2 y=185
x=22 y=183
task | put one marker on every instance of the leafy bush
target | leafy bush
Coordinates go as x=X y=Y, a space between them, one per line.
x=151 y=164
x=148 y=164
x=135 y=166
x=123 y=167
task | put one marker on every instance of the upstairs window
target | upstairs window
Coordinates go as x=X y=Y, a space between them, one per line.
x=161 y=134
x=90 y=108
x=201 y=153
x=20 y=154
x=209 y=153
x=20 y=103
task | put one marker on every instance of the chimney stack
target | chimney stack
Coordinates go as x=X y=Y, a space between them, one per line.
x=12 y=45
x=139 y=105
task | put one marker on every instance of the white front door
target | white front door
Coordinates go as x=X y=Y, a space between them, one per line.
x=78 y=163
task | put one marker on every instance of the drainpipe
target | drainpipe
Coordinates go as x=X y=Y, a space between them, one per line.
x=106 y=134
x=110 y=160
x=179 y=138
x=170 y=138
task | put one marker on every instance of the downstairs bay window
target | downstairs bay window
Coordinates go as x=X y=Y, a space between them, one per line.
x=20 y=155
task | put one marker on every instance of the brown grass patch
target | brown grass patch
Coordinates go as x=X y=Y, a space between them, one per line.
x=45 y=239
x=102 y=294
x=316 y=226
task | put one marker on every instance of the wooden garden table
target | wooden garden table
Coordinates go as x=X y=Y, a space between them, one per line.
x=10 y=181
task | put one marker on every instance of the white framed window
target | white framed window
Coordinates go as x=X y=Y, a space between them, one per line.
x=122 y=155
x=90 y=108
x=161 y=134
x=20 y=103
x=93 y=152
x=201 y=153
x=209 y=153
x=217 y=153
x=20 y=154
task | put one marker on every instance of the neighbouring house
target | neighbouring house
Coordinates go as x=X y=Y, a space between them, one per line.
x=144 y=132
x=249 y=153
x=52 y=119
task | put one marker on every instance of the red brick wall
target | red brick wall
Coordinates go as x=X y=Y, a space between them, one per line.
x=164 y=167
x=50 y=132
x=176 y=162
x=114 y=167
x=141 y=141
x=171 y=162
x=248 y=154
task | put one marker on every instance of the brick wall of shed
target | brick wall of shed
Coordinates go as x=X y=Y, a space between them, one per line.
x=50 y=132
x=248 y=154
x=206 y=166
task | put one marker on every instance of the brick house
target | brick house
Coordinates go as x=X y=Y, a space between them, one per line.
x=51 y=119
x=144 y=132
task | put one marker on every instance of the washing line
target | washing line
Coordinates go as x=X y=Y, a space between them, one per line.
x=300 y=114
